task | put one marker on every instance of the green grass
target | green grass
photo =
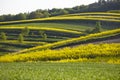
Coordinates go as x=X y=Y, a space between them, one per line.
x=9 y=46
x=24 y=42
x=59 y=71
x=79 y=16
x=77 y=22
x=114 y=11
x=73 y=40
x=42 y=28
x=99 y=13
x=53 y=35
x=67 y=26
x=66 y=68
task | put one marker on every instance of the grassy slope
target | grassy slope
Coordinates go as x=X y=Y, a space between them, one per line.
x=75 y=27
x=61 y=26
x=53 y=34
x=68 y=17
x=14 y=46
x=59 y=71
x=71 y=19
x=73 y=40
x=43 y=29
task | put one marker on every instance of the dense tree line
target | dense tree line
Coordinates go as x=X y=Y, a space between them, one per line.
x=101 y=5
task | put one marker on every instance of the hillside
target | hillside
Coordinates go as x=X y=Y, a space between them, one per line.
x=107 y=19
x=74 y=41
x=56 y=28
x=78 y=43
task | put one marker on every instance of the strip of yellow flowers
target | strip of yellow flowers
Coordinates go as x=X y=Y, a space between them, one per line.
x=92 y=52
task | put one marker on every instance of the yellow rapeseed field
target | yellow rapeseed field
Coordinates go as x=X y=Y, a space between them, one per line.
x=92 y=52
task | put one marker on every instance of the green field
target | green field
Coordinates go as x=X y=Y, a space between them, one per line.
x=68 y=52
x=75 y=40
x=68 y=26
x=73 y=21
x=34 y=38
x=59 y=71
x=60 y=30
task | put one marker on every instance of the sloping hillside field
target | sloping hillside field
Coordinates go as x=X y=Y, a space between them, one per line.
x=81 y=46
x=108 y=19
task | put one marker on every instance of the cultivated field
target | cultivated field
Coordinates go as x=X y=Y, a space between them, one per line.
x=59 y=71
x=61 y=48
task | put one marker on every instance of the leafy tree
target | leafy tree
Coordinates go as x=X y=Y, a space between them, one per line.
x=8 y=17
x=41 y=33
x=97 y=29
x=88 y=31
x=20 y=16
x=25 y=31
x=2 y=18
x=20 y=38
x=46 y=14
x=101 y=5
x=3 y=36
x=70 y=10
x=63 y=12
x=34 y=15
x=44 y=36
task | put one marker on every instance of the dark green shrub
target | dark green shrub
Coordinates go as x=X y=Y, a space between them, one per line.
x=20 y=38
x=3 y=36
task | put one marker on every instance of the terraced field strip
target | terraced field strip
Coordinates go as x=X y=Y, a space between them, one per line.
x=73 y=40
x=66 y=26
x=98 y=13
x=44 y=29
x=24 y=42
x=68 y=17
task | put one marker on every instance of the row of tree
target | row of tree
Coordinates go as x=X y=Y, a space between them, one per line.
x=96 y=29
x=25 y=32
x=101 y=5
